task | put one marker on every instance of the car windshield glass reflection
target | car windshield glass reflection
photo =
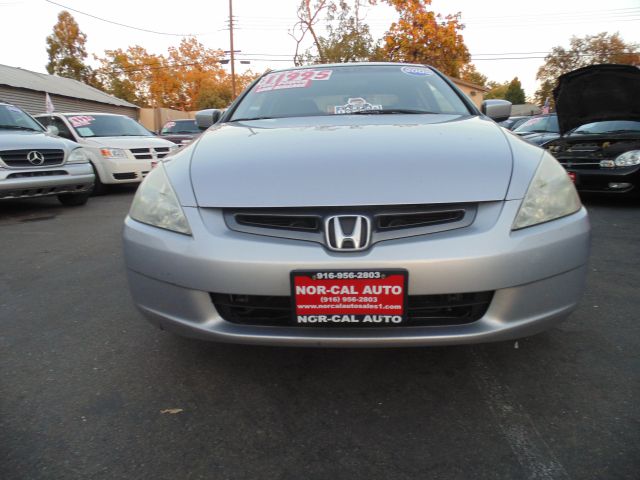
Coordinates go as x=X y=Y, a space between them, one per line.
x=540 y=125
x=15 y=119
x=349 y=90
x=615 y=126
x=180 y=126
x=107 y=126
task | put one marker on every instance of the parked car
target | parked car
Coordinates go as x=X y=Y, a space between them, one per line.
x=181 y=132
x=512 y=123
x=357 y=205
x=120 y=149
x=599 y=116
x=539 y=129
x=34 y=164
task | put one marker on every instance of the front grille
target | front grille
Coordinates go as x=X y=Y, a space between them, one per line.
x=162 y=152
x=142 y=153
x=148 y=153
x=387 y=222
x=18 y=158
x=579 y=163
x=394 y=221
x=286 y=222
x=125 y=176
x=423 y=310
x=45 y=173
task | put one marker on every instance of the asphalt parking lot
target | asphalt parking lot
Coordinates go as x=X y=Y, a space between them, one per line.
x=89 y=389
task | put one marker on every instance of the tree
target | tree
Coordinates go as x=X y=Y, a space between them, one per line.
x=66 y=50
x=348 y=39
x=515 y=93
x=189 y=77
x=496 y=90
x=421 y=36
x=470 y=74
x=583 y=51
x=308 y=17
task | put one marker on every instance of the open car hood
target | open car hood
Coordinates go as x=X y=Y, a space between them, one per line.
x=597 y=93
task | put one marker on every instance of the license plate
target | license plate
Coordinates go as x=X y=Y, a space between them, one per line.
x=354 y=298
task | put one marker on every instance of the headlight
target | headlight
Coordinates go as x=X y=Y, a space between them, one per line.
x=156 y=203
x=113 y=153
x=551 y=195
x=628 y=159
x=79 y=155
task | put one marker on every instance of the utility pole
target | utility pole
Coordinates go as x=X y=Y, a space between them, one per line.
x=233 y=66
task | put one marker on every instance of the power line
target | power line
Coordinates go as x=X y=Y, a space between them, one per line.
x=125 y=25
x=499 y=17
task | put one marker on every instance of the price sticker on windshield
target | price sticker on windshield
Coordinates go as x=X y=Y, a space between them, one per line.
x=81 y=120
x=293 y=79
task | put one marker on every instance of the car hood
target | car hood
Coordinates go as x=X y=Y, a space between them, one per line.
x=127 y=142
x=597 y=93
x=540 y=138
x=351 y=160
x=178 y=137
x=21 y=139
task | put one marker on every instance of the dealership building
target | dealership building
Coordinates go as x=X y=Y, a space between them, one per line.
x=27 y=90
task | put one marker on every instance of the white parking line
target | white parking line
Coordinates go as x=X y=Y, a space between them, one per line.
x=530 y=449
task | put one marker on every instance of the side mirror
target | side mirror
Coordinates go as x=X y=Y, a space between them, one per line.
x=497 y=110
x=53 y=130
x=206 y=118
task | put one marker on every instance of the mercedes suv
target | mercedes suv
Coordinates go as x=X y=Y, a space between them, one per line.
x=35 y=164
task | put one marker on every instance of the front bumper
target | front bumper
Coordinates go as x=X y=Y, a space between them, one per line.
x=121 y=170
x=537 y=274
x=39 y=182
x=600 y=180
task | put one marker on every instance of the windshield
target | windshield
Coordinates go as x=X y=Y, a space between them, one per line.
x=180 y=126
x=540 y=124
x=107 y=126
x=611 y=126
x=349 y=90
x=15 y=119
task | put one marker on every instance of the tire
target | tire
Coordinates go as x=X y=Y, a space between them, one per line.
x=99 y=188
x=73 y=199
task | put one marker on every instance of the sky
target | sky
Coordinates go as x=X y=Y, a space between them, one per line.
x=498 y=33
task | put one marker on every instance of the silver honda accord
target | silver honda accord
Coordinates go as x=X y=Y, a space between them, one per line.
x=357 y=205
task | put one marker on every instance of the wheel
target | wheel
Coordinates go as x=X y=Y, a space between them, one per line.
x=73 y=199
x=99 y=188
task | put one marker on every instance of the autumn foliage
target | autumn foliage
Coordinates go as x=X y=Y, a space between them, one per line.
x=422 y=36
x=188 y=77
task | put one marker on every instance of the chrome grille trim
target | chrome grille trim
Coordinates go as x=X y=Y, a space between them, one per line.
x=18 y=158
x=286 y=222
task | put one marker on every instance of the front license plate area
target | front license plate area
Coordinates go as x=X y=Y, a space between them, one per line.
x=351 y=298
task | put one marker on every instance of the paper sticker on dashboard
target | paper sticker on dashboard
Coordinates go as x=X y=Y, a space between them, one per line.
x=355 y=105
x=85 y=132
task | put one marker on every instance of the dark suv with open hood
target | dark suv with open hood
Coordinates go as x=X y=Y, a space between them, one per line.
x=598 y=111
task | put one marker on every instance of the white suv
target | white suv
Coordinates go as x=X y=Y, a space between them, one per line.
x=120 y=149
x=34 y=164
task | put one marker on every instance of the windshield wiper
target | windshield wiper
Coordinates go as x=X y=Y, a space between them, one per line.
x=389 y=111
x=19 y=127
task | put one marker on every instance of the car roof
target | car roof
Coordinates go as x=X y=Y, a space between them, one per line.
x=352 y=64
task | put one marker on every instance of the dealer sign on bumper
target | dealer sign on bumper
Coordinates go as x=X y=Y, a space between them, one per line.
x=353 y=298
